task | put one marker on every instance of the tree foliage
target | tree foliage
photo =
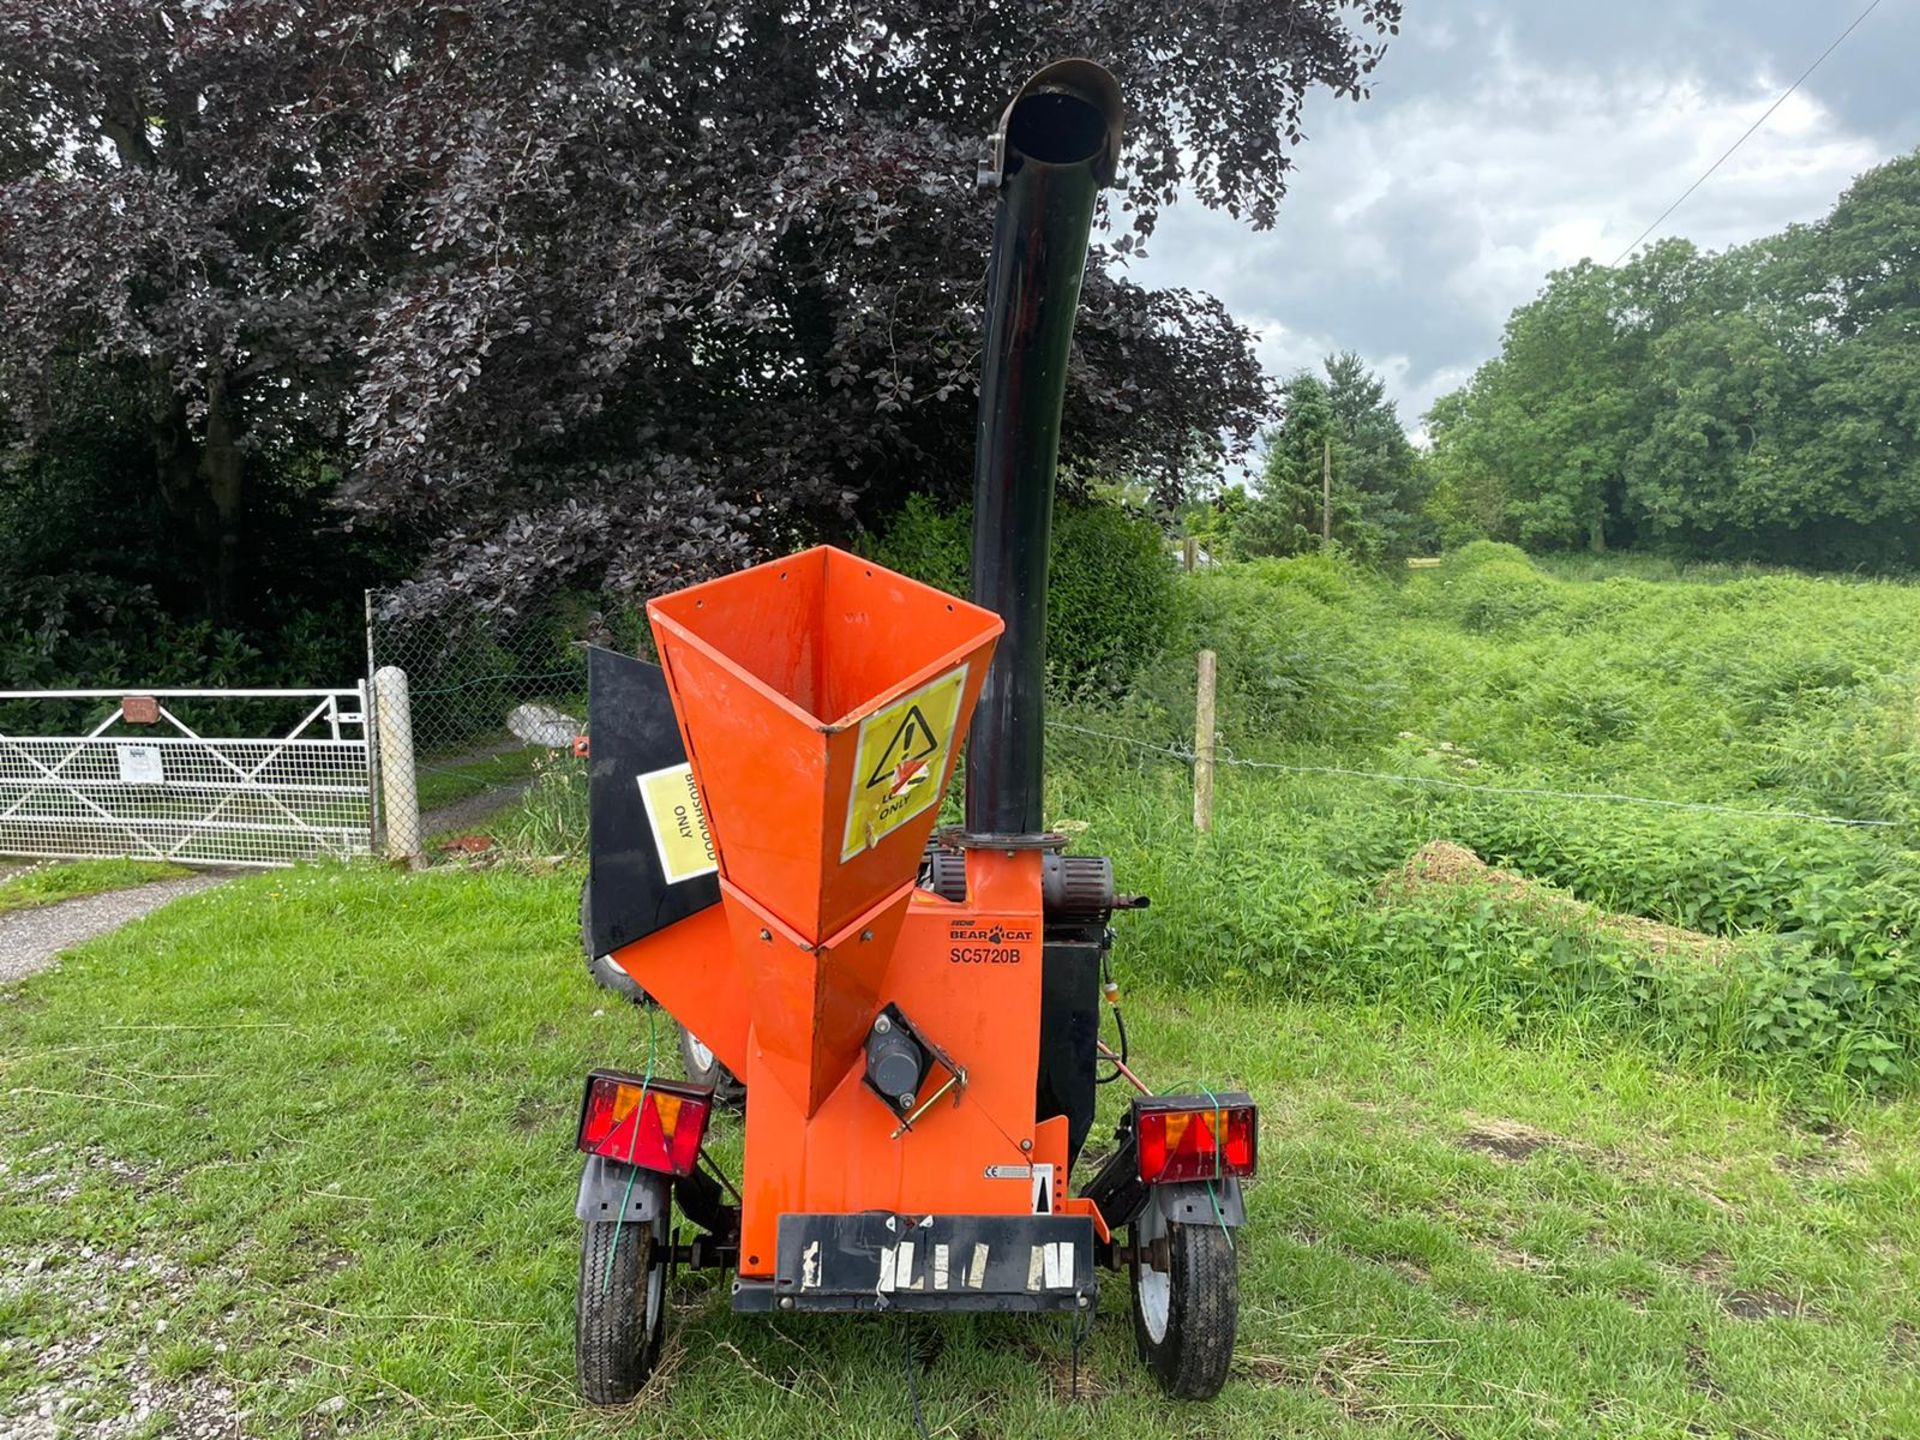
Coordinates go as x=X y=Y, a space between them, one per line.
x=1347 y=421
x=611 y=293
x=1110 y=591
x=1756 y=403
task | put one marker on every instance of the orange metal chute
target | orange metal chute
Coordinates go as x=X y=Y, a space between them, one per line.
x=772 y=670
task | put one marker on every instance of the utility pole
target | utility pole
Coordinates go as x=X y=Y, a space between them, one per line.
x=1326 y=494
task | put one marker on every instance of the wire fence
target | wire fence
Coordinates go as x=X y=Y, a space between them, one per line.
x=489 y=699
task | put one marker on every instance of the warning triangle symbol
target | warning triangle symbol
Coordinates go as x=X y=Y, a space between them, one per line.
x=914 y=740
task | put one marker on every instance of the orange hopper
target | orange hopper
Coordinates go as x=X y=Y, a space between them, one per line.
x=822 y=700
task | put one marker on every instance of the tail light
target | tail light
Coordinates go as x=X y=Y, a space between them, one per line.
x=1185 y=1138
x=655 y=1124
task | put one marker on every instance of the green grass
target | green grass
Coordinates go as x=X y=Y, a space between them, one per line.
x=1521 y=1174
x=49 y=883
x=319 y=1123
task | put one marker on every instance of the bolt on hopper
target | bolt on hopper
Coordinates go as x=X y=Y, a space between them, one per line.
x=913 y=1018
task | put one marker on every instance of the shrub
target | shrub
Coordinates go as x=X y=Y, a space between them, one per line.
x=1295 y=661
x=1499 y=595
x=1476 y=553
x=1111 y=597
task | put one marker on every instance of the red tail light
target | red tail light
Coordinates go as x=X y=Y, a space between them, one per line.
x=1187 y=1138
x=657 y=1125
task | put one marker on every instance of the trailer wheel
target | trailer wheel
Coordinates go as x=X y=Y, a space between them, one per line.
x=704 y=1068
x=620 y=1314
x=1185 y=1315
x=606 y=973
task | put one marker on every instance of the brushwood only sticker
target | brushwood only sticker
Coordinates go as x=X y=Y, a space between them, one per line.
x=900 y=761
x=679 y=824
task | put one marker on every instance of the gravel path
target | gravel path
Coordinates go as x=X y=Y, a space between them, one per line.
x=463 y=815
x=31 y=940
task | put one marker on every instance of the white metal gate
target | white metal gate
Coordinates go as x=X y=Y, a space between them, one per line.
x=143 y=782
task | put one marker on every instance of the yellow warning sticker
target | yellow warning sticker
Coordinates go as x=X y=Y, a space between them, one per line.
x=679 y=824
x=900 y=764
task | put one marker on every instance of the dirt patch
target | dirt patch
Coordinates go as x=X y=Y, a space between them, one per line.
x=1699 y=1375
x=1824 y=1155
x=1709 y=1270
x=1746 y=1302
x=1509 y=1140
x=1515 y=1258
x=1765 y=1305
x=1071 y=1384
x=1441 y=863
x=1502 y=1147
x=531 y=1114
x=1411 y=1271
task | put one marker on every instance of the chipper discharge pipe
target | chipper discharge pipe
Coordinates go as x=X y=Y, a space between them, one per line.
x=915 y=1020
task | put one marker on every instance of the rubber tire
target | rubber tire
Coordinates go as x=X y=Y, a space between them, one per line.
x=605 y=972
x=703 y=1067
x=1190 y=1359
x=616 y=1341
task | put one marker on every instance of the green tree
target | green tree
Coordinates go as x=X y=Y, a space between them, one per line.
x=1755 y=403
x=1466 y=491
x=1378 y=481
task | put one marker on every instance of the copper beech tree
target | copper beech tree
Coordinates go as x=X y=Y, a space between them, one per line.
x=608 y=293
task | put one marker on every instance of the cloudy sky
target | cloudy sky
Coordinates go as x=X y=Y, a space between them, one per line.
x=1506 y=138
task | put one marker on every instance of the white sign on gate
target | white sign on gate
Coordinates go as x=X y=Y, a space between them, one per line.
x=140 y=765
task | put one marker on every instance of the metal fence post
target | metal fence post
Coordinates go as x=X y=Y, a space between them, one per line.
x=397 y=783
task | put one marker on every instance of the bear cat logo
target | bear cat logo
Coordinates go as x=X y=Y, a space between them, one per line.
x=987 y=942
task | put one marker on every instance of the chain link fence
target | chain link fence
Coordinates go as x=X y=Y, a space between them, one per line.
x=488 y=701
x=492 y=700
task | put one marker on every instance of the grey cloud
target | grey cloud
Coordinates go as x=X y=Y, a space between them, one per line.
x=1509 y=137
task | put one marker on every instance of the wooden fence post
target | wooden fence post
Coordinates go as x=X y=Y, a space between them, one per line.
x=1203 y=728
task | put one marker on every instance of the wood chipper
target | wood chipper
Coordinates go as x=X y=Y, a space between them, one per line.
x=915 y=1018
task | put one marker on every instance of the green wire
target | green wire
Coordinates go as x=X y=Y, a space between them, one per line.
x=1219 y=1139
x=1219 y=1112
x=633 y=1171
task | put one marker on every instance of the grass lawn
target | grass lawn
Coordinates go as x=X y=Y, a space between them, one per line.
x=300 y=1147
x=50 y=883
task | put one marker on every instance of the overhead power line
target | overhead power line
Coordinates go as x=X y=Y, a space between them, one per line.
x=1786 y=95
